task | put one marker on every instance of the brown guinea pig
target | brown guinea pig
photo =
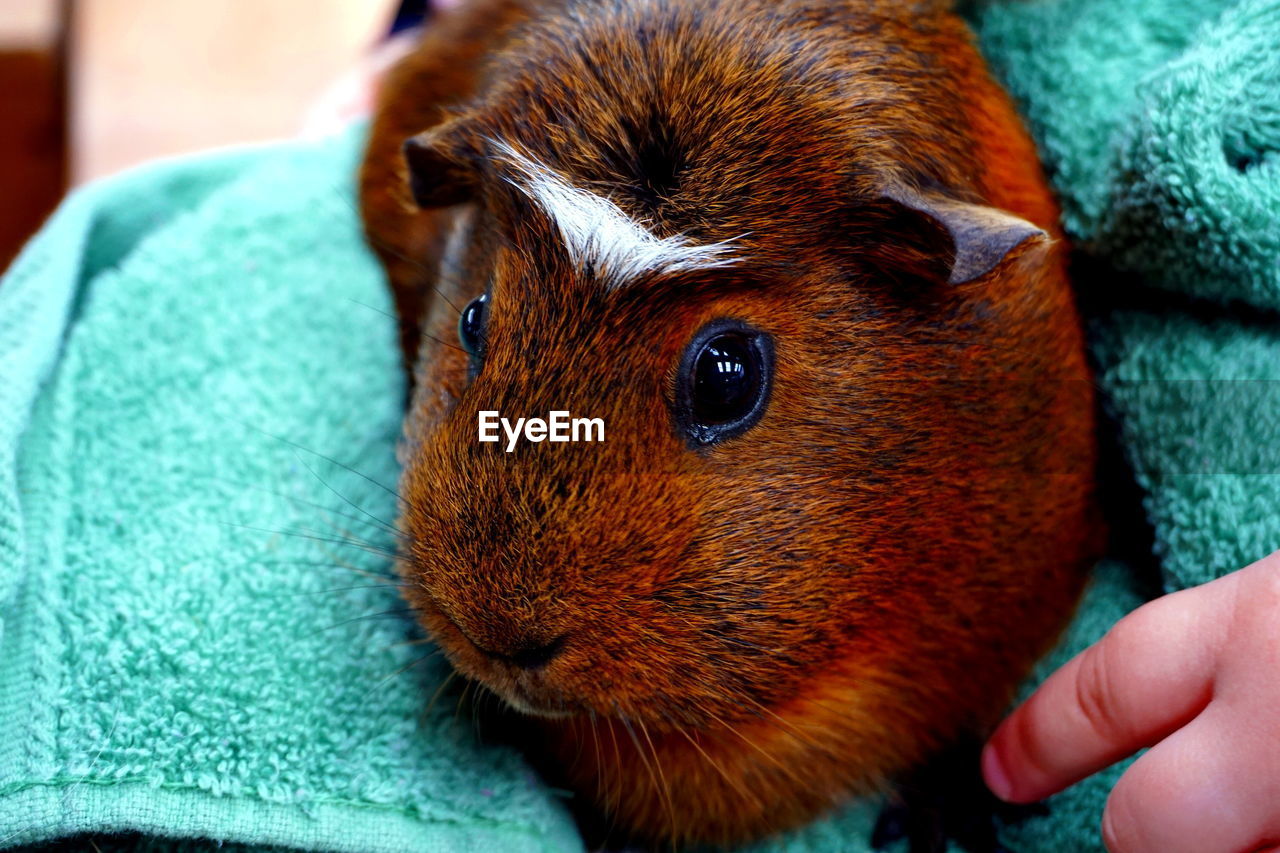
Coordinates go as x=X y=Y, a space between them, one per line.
x=800 y=261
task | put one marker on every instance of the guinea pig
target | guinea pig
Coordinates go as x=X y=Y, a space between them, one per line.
x=800 y=261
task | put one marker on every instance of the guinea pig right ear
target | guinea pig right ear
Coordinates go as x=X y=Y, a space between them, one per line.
x=980 y=236
x=442 y=168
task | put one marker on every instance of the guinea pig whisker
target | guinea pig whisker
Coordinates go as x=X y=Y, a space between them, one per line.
x=401 y=671
x=354 y=543
x=444 y=343
x=787 y=726
x=591 y=726
x=613 y=796
x=400 y=499
x=482 y=700
x=372 y=308
x=402 y=611
x=330 y=591
x=316 y=505
x=595 y=737
x=390 y=528
x=417 y=641
x=468 y=702
x=714 y=765
x=654 y=775
x=477 y=705
x=466 y=691
x=772 y=759
x=487 y=699
x=574 y=724
x=71 y=789
x=610 y=795
x=617 y=758
x=732 y=782
x=831 y=709
x=385 y=579
x=657 y=762
x=453 y=673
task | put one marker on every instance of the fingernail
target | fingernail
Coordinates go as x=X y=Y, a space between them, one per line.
x=996 y=776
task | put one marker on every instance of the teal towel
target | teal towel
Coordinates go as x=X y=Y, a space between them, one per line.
x=185 y=350
x=191 y=643
x=1159 y=121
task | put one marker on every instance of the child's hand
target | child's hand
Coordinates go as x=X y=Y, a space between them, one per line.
x=1196 y=675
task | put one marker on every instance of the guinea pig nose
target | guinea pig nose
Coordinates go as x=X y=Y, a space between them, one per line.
x=531 y=655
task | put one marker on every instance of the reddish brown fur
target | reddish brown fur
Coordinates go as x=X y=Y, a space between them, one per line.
x=759 y=628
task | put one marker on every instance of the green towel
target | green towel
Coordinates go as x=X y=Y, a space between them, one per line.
x=196 y=380
x=1159 y=121
x=192 y=644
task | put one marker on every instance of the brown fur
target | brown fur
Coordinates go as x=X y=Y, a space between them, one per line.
x=757 y=629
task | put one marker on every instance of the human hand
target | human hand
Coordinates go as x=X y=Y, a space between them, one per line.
x=1196 y=676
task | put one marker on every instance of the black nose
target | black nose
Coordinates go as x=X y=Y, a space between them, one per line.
x=531 y=655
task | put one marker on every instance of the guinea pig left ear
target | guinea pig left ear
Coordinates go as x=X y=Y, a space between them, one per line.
x=981 y=236
x=441 y=167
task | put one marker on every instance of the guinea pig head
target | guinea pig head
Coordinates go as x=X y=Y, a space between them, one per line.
x=841 y=496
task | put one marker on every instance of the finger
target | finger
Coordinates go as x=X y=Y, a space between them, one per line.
x=1204 y=789
x=1148 y=676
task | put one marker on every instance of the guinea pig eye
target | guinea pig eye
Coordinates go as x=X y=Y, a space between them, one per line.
x=471 y=325
x=723 y=385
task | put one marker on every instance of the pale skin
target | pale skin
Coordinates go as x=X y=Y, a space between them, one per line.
x=1195 y=676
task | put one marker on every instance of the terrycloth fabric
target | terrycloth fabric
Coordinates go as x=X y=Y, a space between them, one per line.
x=1159 y=121
x=160 y=670
x=198 y=636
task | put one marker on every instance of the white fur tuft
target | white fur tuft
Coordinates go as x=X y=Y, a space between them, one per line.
x=600 y=237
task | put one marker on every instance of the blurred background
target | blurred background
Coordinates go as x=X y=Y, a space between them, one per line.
x=90 y=87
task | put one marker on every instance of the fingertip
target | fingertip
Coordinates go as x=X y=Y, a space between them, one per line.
x=1005 y=766
x=995 y=774
x=1110 y=839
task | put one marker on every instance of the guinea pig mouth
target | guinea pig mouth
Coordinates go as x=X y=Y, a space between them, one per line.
x=527 y=692
x=522 y=684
